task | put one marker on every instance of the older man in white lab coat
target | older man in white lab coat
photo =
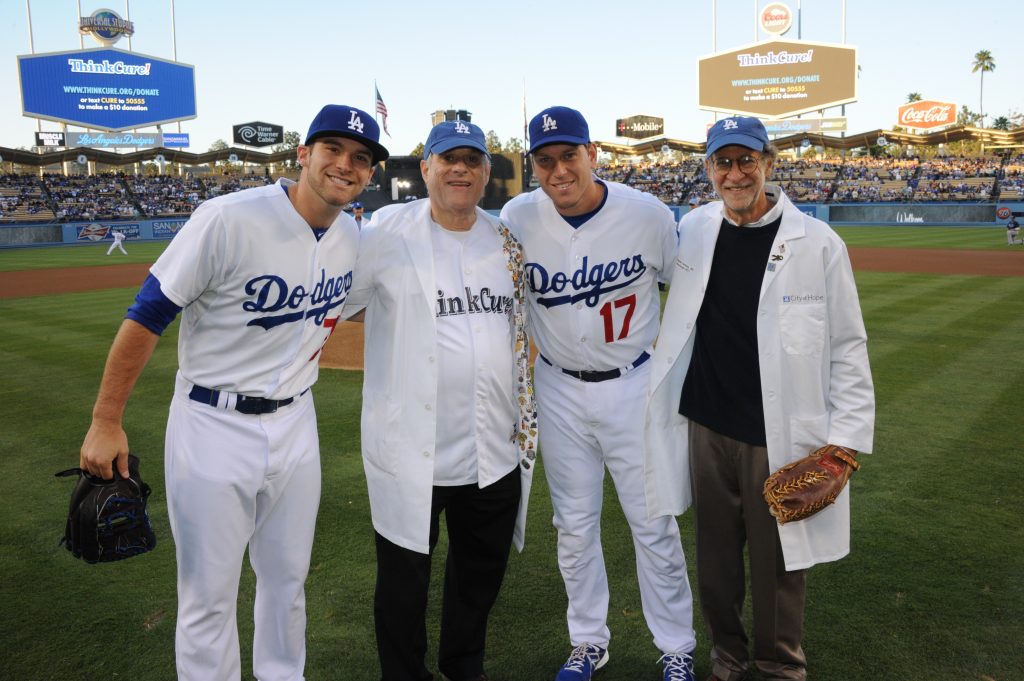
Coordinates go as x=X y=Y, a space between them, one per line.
x=448 y=423
x=762 y=358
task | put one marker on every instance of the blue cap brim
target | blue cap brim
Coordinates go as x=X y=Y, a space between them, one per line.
x=453 y=143
x=559 y=139
x=737 y=138
x=380 y=153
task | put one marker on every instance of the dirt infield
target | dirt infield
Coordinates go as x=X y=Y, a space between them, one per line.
x=1008 y=263
x=345 y=349
x=49 y=282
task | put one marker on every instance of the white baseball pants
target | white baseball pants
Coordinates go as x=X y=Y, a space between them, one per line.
x=235 y=481
x=583 y=428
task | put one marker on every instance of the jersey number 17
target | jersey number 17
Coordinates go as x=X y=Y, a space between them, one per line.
x=629 y=302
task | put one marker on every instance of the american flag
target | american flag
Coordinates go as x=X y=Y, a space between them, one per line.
x=382 y=109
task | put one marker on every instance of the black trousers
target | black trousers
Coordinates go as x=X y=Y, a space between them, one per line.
x=480 y=525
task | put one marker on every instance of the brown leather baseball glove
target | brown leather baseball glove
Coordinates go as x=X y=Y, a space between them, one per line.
x=802 y=488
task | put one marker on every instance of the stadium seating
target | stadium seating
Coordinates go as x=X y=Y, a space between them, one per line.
x=29 y=198
x=22 y=200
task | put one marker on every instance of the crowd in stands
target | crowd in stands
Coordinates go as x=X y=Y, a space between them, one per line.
x=835 y=180
x=670 y=182
x=88 y=197
x=166 y=195
x=806 y=180
x=21 y=198
x=110 y=196
x=1011 y=179
x=679 y=182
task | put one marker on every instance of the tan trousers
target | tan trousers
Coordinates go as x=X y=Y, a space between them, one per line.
x=727 y=477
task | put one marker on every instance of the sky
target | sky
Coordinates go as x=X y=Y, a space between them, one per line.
x=279 y=62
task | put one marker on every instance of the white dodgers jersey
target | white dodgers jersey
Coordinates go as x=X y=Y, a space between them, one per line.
x=593 y=290
x=260 y=294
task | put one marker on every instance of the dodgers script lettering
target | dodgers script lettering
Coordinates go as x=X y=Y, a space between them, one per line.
x=588 y=283
x=272 y=293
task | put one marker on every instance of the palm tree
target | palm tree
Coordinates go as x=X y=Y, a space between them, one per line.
x=983 y=62
x=913 y=97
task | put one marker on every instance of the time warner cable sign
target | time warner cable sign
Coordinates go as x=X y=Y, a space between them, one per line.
x=106 y=89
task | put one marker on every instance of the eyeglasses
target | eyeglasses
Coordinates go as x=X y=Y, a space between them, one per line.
x=746 y=163
x=471 y=158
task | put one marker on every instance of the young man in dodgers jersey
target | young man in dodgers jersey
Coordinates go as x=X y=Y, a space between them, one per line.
x=594 y=253
x=260 y=277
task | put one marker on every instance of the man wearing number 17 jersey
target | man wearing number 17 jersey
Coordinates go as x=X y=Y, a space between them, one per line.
x=595 y=252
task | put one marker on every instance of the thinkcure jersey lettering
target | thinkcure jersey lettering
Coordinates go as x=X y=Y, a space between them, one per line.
x=588 y=283
x=271 y=293
x=484 y=302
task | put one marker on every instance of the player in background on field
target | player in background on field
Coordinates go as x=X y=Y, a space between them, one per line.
x=357 y=214
x=448 y=421
x=260 y=277
x=761 y=360
x=118 y=242
x=595 y=252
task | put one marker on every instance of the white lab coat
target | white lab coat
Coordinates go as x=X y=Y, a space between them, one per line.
x=394 y=278
x=815 y=380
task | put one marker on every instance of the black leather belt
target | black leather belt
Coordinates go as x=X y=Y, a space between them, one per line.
x=243 y=403
x=598 y=376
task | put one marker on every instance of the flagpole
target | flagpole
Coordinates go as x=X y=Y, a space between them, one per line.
x=375 y=112
x=526 y=145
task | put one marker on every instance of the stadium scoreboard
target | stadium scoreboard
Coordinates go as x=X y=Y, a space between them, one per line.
x=777 y=78
x=106 y=89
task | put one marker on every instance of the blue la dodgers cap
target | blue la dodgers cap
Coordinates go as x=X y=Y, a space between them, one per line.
x=558 y=125
x=742 y=130
x=449 y=135
x=340 y=120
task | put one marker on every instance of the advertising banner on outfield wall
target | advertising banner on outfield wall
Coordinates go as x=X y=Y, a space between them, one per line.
x=777 y=78
x=913 y=214
x=84 y=232
x=165 y=229
x=100 y=231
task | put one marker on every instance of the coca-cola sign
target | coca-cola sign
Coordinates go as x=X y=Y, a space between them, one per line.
x=927 y=114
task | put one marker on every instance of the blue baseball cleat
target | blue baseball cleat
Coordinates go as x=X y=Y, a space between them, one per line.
x=678 y=666
x=582 y=662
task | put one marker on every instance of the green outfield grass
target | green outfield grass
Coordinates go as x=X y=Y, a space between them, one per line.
x=967 y=237
x=932 y=589
x=79 y=255
x=87 y=255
